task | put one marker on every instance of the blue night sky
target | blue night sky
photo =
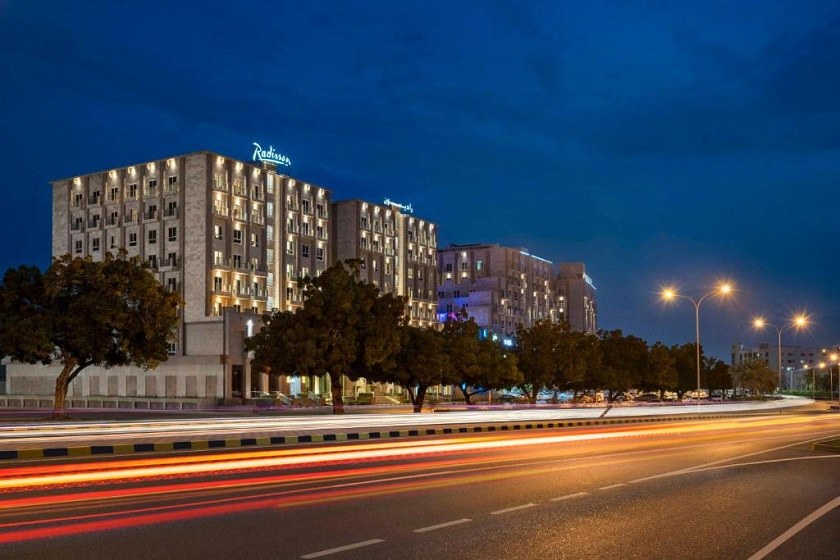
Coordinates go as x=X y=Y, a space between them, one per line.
x=658 y=142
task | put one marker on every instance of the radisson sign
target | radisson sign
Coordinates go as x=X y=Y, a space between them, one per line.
x=270 y=156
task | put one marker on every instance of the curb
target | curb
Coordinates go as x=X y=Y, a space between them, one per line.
x=205 y=445
x=829 y=446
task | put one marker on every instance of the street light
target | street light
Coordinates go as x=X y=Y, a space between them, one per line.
x=799 y=322
x=670 y=294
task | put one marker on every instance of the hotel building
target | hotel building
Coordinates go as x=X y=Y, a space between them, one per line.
x=578 y=291
x=232 y=237
x=397 y=250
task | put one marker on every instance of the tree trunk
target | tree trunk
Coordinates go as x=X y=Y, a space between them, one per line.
x=466 y=395
x=62 y=383
x=418 y=400
x=337 y=399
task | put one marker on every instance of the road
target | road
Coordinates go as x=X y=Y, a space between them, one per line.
x=746 y=488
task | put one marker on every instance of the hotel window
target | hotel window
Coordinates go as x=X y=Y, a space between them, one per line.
x=306 y=206
x=77 y=246
x=304 y=250
x=132 y=190
x=319 y=253
x=115 y=192
x=237 y=236
x=237 y=261
x=153 y=261
x=304 y=271
x=113 y=243
x=290 y=247
x=269 y=255
x=305 y=228
x=319 y=211
x=479 y=265
x=237 y=308
x=254 y=240
x=364 y=243
x=319 y=232
x=171 y=284
x=172 y=259
x=132 y=239
x=77 y=200
x=364 y=224
x=217 y=232
x=173 y=182
x=269 y=209
x=218 y=257
x=94 y=244
x=217 y=284
x=289 y=292
x=410 y=273
x=151 y=190
x=217 y=309
x=465 y=265
x=218 y=180
x=152 y=236
x=173 y=234
x=172 y=209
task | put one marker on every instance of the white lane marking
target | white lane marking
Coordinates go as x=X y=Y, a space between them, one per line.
x=515 y=508
x=569 y=496
x=611 y=486
x=773 y=545
x=441 y=525
x=713 y=463
x=342 y=548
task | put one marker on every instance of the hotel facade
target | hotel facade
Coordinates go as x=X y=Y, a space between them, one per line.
x=232 y=238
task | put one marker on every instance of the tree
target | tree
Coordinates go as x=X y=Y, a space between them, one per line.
x=718 y=376
x=661 y=375
x=685 y=362
x=421 y=362
x=82 y=313
x=536 y=351
x=624 y=361
x=345 y=328
x=477 y=365
x=755 y=376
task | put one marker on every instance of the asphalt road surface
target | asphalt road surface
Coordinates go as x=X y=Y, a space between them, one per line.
x=740 y=488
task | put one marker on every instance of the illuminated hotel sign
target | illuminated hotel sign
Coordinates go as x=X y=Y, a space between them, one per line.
x=270 y=156
x=404 y=207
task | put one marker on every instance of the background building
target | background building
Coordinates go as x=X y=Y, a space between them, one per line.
x=397 y=250
x=578 y=291
x=795 y=359
x=500 y=287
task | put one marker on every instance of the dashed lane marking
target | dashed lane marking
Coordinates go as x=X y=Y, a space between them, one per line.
x=344 y=548
x=442 y=525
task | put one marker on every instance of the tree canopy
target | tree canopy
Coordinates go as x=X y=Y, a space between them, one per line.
x=344 y=328
x=82 y=312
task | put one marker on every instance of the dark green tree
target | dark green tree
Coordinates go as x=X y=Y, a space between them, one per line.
x=344 y=328
x=82 y=313
x=624 y=362
x=717 y=375
x=420 y=363
x=661 y=375
x=477 y=365
x=686 y=365
x=537 y=353
x=754 y=375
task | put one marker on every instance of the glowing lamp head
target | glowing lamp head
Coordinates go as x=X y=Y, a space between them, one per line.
x=833 y=357
x=725 y=288
x=800 y=321
x=759 y=323
x=668 y=294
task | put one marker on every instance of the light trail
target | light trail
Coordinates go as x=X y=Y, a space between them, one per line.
x=12 y=436
x=28 y=477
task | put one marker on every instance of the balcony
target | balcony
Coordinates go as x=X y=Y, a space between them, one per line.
x=93 y=200
x=169 y=263
x=239 y=190
x=221 y=186
x=150 y=215
x=112 y=221
x=77 y=226
x=240 y=215
x=93 y=222
x=170 y=213
x=221 y=210
x=257 y=219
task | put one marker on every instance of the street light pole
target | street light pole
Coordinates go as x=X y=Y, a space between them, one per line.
x=669 y=294
x=798 y=322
